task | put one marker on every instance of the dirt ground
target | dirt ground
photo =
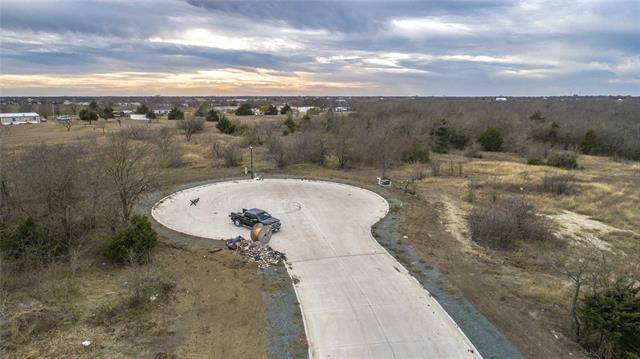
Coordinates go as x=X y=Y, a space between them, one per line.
x=216 y=301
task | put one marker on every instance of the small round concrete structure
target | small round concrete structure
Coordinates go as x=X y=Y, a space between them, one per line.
x=357 y=301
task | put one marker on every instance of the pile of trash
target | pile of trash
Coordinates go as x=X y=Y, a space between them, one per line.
x=257 y=252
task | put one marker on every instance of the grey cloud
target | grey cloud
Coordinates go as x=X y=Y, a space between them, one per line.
x=93 y=37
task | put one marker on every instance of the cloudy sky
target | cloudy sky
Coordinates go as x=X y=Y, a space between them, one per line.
x=198 y=47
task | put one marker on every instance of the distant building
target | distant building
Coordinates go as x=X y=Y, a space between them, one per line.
x=501 y=99
x=122 y=113
x=304 y=109
x=341 y=109
x=19 y=118
x=138 y=117
x=161 y=111
x=64 y=118
x=225 y=108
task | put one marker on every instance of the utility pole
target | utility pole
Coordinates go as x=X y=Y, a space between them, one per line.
x=251 y=151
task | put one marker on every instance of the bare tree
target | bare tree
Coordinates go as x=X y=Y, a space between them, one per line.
x=169 y=153
x=190 y=125
x=67 y=124
x=127 y=165
x=232 y=154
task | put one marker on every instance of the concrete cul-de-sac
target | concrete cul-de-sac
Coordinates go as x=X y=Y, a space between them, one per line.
x=357 y=301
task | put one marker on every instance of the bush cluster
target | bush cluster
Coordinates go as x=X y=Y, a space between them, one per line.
x=557 y=184
x=502 y=224
x=563 y=159
x=610 y=320
x=27 y=241
x=133 y=243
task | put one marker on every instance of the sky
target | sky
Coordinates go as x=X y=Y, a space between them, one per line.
x=358 y=48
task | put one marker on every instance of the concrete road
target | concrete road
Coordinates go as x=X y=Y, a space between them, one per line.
x=357 y=301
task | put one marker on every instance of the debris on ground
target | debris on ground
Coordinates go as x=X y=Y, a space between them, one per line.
x=257 y=252
x=233 y=243
x=86 y=343
x=384 y=182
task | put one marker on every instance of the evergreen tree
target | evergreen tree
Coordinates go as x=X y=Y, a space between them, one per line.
x=589 y=143
x=175 y=114
x=491 y=139
x=285 y=109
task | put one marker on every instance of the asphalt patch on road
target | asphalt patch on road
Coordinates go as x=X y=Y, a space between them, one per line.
x=484 y=336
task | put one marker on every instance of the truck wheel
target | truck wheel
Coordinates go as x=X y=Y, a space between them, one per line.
x=237 y=223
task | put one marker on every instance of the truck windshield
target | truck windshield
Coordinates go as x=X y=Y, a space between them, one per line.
x=264 y=215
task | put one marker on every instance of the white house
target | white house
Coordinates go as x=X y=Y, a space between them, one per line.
x=137 y=117
x=18 y=118
x=501 y=99
x=161 y=111
x=304 y=109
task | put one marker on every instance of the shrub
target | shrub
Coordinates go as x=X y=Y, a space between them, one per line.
x=226 y=126
x=563 y=159
x=290 y=124
x=459 y=141
x=244 y=110
x=536 y=153
x=491 y=139
x=610 y=321
x=190 y=126
x=133 y=243
x=212 y=116
x=88 y=115
x=285 y=109
x=232 y=155
x=503 y=223
x=415 y=152
x=441 y=136
x=27 y=241
x=169 y=153
x=557 y=184
x=271 y=110
x=137 y=132
x=175 y=114
x=536 y=116
x=589 y=143
x=473 y=151
x=548 y=134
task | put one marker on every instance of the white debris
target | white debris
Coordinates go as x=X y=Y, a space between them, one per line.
x=153 y=297
x=86 y=343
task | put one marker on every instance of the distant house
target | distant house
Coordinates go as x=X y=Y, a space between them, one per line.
x=225 y=108
x=122 y=113
x=138 y=117
x=304 y=109
x=19 y=118
x=161 y=111
x=501 y=99
x=64 y=118
x=341 y=109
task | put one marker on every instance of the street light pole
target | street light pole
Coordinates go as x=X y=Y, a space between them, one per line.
x=251 y=149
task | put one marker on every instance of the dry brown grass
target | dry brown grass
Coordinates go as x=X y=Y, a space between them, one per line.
x=523 y=292
x=212 y=296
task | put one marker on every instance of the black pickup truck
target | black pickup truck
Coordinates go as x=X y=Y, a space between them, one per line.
x=249 y=217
